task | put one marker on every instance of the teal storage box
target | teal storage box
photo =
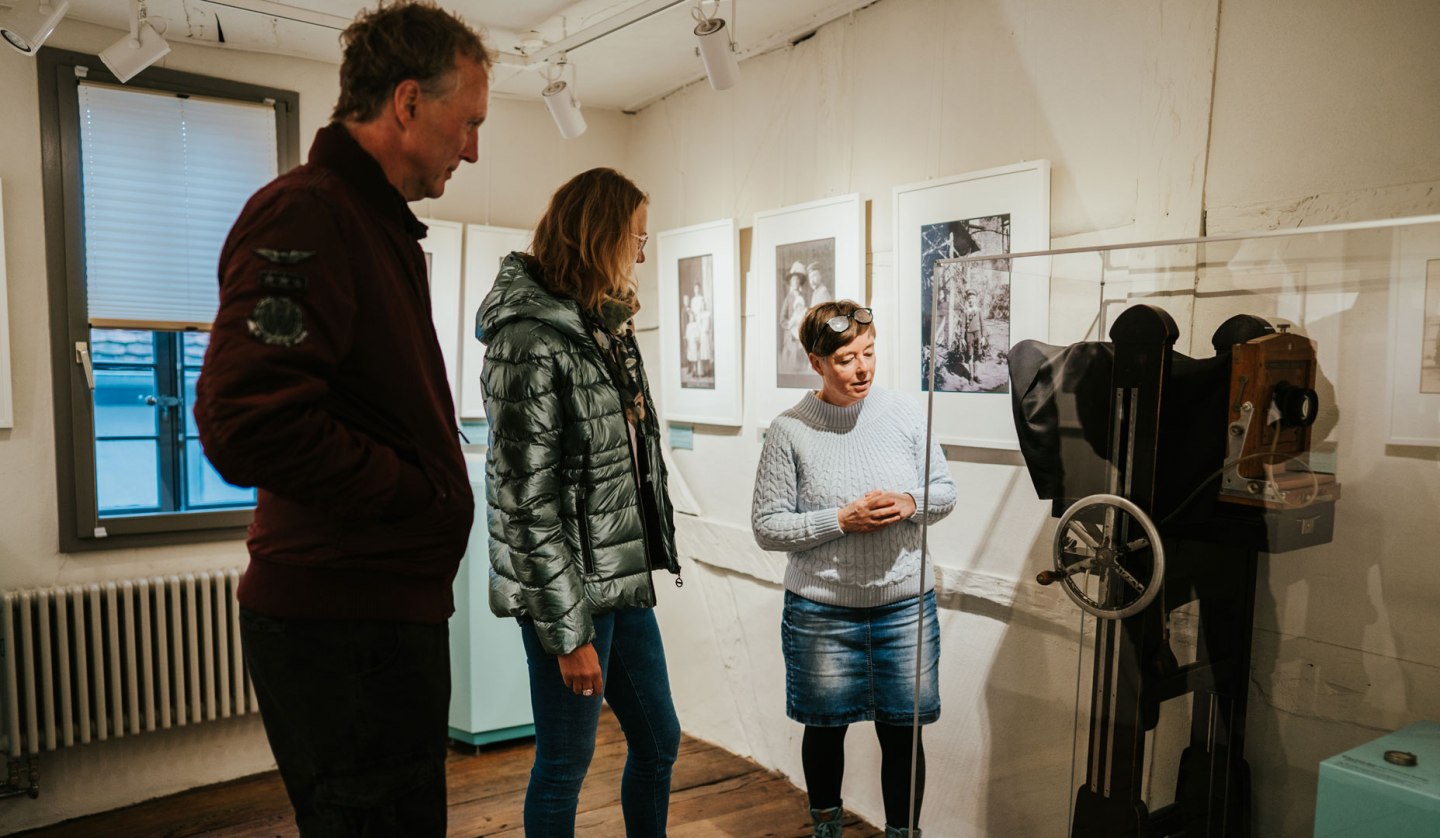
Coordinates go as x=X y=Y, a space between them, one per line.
x=1362 y=795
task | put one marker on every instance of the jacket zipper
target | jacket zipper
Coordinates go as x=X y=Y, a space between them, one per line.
x=587 y=555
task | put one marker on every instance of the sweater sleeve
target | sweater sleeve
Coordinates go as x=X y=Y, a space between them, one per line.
x=274 y=348
x=942 y=486
x=523 y=385
x=775 y=514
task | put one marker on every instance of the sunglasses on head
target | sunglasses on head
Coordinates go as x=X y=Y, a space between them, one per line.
x=841 y=322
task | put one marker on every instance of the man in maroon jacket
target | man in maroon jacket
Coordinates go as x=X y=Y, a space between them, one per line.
x=325 y=388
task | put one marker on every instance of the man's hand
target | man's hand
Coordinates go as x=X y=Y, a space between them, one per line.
x=875 y=510
x=580 y=670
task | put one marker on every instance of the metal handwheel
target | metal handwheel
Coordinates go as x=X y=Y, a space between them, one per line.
x=1095 y=538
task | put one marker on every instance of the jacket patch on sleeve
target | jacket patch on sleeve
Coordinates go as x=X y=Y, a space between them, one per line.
x=283 y=257
x=278 y=321
x=282 y=281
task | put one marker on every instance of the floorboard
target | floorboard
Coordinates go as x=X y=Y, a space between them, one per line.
x=714 y=794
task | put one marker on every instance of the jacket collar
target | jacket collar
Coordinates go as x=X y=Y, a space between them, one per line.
x=336 y=150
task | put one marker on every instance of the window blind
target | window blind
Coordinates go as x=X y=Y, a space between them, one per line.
x=164 y=178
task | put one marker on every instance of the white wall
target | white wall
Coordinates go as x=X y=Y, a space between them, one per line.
x=522 y=161
x=1161 y=120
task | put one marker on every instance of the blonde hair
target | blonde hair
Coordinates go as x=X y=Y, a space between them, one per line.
x=582 y=242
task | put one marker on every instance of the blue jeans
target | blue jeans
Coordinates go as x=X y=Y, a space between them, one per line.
x=356 y=715
x=637 y=688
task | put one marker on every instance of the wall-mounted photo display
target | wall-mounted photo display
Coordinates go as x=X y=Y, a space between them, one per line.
x=485 y=248
x=443 y=245
x=978 y=307
x=803 y=255
x=700 y=323
x=1415 y=340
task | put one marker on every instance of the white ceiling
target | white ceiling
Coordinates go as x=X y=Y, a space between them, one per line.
x=626 y=69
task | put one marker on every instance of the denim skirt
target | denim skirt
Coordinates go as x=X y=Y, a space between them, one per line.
x=845 y=665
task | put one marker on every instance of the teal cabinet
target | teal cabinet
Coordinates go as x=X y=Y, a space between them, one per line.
x=1361 y=794
x=490 y=685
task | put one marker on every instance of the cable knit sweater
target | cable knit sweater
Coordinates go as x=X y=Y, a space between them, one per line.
x=818 y=458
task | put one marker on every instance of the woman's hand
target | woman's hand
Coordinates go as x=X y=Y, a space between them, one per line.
x=875 y=510
x=580 y=670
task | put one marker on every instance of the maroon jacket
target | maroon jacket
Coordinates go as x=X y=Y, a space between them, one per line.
x=324 y=386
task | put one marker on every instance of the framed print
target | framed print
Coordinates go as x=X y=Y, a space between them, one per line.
x=7 y=404
x=442 y=246
x=802 y=255
x=1415 y=351
x=700 y=323
x=980 y=307
x=485 y=248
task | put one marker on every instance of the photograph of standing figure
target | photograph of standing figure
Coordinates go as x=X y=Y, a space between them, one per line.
x=697 y=293
x=973 y=302
x=804 y=277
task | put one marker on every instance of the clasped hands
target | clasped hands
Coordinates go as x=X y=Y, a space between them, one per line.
x=875 y=510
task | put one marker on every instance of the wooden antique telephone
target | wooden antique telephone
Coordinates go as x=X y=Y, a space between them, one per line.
x=1169 y=476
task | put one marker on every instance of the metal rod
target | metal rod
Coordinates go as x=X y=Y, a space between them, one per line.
x=1349 y=227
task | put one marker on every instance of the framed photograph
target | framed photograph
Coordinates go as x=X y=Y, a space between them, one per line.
x=802 y=255
x=7 y=404
x=980 y=307
x=485 y=248
x=1415 y=353
x=700 y=323
x=442 y=246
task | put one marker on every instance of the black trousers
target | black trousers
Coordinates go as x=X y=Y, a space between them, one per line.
x=356 y=712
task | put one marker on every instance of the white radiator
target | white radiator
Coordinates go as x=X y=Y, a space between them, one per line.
x=100 y=661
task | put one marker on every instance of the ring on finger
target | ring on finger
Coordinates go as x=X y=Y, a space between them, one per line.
x=587 y=692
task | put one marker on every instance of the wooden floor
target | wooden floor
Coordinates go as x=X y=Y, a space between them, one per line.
x=714 y=793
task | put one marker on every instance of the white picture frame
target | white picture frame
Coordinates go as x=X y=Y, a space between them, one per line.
x=1415 y=350
x=1004 y=210
x=485 y=248
x=443 y=246
x=700 y=363
x=7 y=397
x=827 y=232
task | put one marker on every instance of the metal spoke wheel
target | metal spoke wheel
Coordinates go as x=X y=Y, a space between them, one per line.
x=1109 y=538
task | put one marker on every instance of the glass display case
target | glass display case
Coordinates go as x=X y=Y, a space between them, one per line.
x=1205 y=562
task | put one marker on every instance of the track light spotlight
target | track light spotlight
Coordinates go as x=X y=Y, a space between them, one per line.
x=136 y=51
x=717 y=51
x=564 y=109
x=26 y=26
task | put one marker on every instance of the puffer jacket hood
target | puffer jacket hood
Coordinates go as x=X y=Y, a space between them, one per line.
x=578 y=514
x=516 y=295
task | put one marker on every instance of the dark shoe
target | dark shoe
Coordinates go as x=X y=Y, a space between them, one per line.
x=827 y=822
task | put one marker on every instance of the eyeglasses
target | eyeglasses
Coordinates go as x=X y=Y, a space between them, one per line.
x=643 y=237
x=841 y=322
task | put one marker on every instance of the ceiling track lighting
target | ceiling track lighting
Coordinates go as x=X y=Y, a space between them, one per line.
x=560 y=100
x=717 y=48
x=26 y=26
x=137 y=50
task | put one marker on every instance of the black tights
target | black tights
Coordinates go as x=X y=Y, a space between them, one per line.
x=822 y=753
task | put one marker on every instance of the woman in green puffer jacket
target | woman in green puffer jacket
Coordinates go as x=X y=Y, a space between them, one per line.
x=578 y=510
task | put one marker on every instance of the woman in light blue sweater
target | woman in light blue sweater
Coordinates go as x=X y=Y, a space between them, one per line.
x=841 y=489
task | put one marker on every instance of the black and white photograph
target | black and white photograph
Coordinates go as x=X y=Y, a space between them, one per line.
x=697 y=307
x=699 y=326
x=804 y=276
x=1430 y=332
x=971 y=302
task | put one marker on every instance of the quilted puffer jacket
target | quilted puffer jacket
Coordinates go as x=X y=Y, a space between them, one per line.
x=572 y=534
